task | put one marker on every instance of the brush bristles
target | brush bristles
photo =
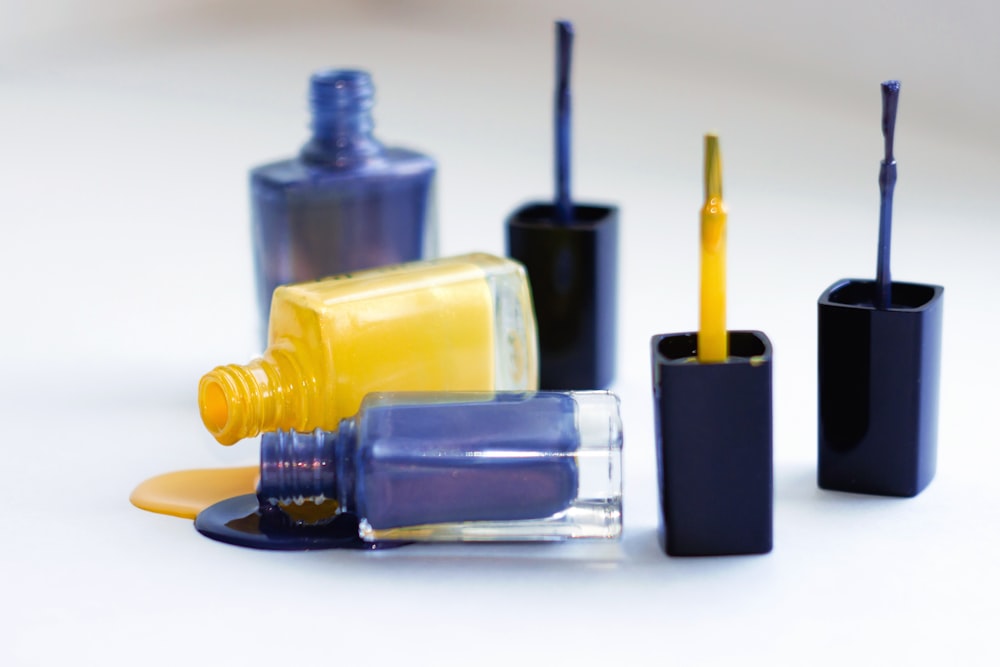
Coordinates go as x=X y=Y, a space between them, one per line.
x=890 y=101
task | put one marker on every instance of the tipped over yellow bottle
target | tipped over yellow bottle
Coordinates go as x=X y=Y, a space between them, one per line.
x=458 y=324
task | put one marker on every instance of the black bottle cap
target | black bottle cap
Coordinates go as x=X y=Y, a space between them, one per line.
x=573 y=271
x=713 y=426
x=878 y=388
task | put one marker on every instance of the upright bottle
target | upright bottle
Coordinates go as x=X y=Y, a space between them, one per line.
x=346 y=202
x=460 y=467
x=457 y=324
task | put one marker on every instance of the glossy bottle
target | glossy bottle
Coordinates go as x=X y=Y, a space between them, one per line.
x=346 y=202
x=458 y=324
x=460 y=467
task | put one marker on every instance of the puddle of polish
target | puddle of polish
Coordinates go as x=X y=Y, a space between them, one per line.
x=246 y=522
x=185 y=493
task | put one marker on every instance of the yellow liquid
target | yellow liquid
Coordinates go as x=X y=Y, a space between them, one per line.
x=186 y=492
x=713 y=339
x=412 y=327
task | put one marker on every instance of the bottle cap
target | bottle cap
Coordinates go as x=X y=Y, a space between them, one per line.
x=713 y=426
x=878 y=388
x=573 y=272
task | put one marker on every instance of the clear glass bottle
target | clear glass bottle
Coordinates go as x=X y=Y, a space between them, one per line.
x=503 y=466
x=346 y=202
x=456 y=324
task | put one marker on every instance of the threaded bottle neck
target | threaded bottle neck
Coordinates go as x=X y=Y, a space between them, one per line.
x=295 y=467
x=341 y=103
x=239 y=402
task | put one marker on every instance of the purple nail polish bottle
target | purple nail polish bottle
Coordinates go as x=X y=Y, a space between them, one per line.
x=346 y=203
x=505 y=466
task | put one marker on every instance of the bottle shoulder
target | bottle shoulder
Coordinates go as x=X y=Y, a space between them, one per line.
x=391 y=163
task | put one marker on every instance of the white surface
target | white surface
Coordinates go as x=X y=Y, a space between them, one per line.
x=127 y=129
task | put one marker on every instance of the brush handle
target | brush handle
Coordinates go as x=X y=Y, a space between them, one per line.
x=887 y=185
x=563 y=117
x=883 y=279
x=713 y=338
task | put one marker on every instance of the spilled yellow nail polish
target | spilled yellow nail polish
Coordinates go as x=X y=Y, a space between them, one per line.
x=184 y=493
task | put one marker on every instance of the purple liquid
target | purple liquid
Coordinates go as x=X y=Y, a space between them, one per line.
x=444 y=468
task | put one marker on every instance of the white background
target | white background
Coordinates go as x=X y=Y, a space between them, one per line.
x=126 y=130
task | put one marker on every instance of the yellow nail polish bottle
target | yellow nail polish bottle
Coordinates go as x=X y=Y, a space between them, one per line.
x=457 y=324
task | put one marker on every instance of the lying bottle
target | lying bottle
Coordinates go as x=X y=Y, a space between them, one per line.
x=458 y=324
x=504 y=466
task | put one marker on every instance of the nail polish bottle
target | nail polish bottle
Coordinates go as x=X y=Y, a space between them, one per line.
x=346 y=203
x=503 y=466
x=570 y=250
x=456 y=324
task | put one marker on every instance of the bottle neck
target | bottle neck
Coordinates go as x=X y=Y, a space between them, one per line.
x=341 y=103
x=316 y=466
x=269 y=393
